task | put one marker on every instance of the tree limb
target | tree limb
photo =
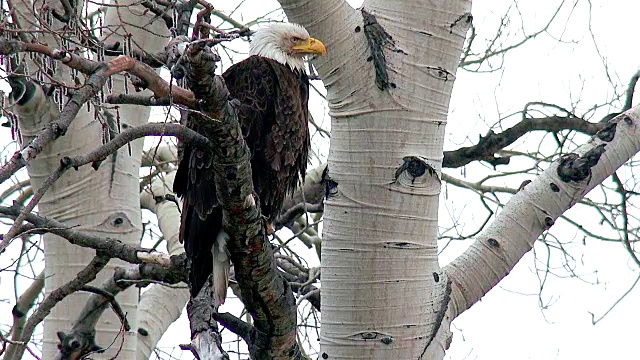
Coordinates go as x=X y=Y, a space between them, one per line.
x=113 y=247
x=295 y=211
x=563 y=184
x=81 y=338
x=206 y=342
x=264 y=292
x=628 y=104
x=488 y=145
x=126 y=136
x=235 y=325
x=111 y=300
x=85 y=276
x=20 y=310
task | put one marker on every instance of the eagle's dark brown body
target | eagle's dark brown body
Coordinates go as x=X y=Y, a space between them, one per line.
x=273 y=114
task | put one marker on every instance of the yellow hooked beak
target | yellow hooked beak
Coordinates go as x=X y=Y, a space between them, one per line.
x=310 y=46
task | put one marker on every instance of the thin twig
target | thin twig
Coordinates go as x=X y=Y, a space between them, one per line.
x=185 y=134
x=112 y=300
x=84 y=276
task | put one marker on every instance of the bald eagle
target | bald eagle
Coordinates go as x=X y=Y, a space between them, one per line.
x=272 y=91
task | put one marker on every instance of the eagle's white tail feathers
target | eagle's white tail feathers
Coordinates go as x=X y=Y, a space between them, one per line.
x=221 y=267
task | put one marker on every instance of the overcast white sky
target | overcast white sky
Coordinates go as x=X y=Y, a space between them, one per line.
x=509 y=323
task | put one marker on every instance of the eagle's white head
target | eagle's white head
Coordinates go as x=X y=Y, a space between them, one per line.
x=286 y=43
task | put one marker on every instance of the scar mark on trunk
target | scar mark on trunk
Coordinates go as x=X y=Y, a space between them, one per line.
x=377 y=40
x=577 y=168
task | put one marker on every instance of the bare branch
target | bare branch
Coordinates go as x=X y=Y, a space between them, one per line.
x=490 y=144
x=112 y=247
x=297 y=210
x=206 y=342
x=631 y=89
x=152 y=81
x=625 y=219
x=83 y=330
x=263 y=291
x=162 y=13
x=235 y=325
x=187 y=135
x=491 y=52
x=111 y=299
x=18 y=186
x=20 y=310
x=143 y=100
x=84 y=276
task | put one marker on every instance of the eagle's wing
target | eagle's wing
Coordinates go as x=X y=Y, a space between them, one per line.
x=273 y=114
x=194 y=180
x=201 y=221
x=271 y=103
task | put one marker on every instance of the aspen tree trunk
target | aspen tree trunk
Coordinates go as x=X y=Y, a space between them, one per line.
x=383 y=292
x=160 y=306
x=104 y=202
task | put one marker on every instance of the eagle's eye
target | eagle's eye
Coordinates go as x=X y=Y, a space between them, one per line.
x=296 y=39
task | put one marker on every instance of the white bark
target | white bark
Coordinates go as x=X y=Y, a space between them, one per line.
x=530 y=212
x=23 y=15
x=380 y=299
x=104 y=202
x=83 y=198
x=159 y=305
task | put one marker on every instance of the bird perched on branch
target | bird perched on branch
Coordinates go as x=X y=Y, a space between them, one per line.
x=272 y=91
